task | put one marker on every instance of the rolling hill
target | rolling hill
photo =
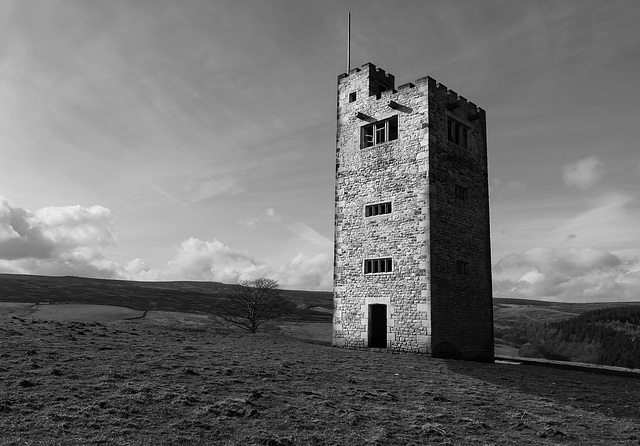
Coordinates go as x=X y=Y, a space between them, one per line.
x=518 y=322
x=181 y=296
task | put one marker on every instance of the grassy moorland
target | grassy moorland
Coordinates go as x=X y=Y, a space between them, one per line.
x=306 y=313
x=184 y=379
x=186 y=297
x=203 y=297
x=512 y=316
x=178 y=376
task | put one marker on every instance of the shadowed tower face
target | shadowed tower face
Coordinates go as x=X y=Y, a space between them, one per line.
x=412 y=260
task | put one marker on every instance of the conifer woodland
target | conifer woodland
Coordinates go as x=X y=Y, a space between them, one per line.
x=607 y=336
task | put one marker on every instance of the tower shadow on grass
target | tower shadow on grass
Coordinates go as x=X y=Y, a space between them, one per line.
x=615 y=396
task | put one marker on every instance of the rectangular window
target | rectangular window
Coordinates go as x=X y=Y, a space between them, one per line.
x=457 y=132
x=352 y=97
x=375 y=266
x=372 y=210
x=379 y=132
x=462 y=267
x=462 y=193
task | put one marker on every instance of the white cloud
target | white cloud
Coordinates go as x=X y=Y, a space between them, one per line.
x=69 y=240
x=137 y=269
x=75 y=225
x=193 y=190
x=567 y=274
x=272 y=214
x=498 y=188
x=19 y=237
x=55 y=240
x=214 y=261
x=307 y=233
x=201 y=260
x=268 y=215
x=307 y=272
x=605 y=210
x=611 y=221
x=582 y=174
x=200 y=189
x=563 y=260
x=76 y=263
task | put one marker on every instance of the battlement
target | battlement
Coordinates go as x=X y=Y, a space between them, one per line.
x=378 y=82
x=372 y=72
x=380 y=75
x=454 y=98
x=408 y=85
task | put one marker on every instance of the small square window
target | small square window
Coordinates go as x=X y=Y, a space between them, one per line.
x=376 y=266
x=462 y=267
x=352 y=97
x=462 y=193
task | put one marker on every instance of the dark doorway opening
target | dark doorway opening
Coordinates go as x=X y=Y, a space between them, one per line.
x=377 y=326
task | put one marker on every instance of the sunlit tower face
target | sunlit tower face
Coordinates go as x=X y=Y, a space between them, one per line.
x=412 y=268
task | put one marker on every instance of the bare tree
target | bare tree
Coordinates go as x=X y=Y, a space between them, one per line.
x=251 y=303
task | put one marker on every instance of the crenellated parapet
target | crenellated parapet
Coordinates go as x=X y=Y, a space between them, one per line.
x=377 y=80
x=372 y=81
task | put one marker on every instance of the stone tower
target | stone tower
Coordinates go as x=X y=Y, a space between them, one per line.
x=412 y=256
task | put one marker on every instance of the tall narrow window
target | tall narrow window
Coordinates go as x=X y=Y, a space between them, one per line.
x=376 y=266
x=352 y=97
x=457 y=132
x=462 y=267
x=372 y=210
x=380 y=131
x=462 y=193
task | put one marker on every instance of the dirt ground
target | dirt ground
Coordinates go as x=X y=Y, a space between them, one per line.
x=183 y=379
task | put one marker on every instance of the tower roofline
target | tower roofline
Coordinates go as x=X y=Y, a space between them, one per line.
x=378 y=74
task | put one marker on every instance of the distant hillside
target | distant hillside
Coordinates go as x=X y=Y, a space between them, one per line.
x=608 y=335
x=507 y=311
x=180 y=296
x=520 y=324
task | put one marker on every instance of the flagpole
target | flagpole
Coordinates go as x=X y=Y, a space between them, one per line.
x=349 y=45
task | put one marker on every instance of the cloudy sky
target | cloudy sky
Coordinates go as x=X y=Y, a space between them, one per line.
x=195 y=139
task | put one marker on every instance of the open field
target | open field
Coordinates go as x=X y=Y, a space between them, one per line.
x=182 y=379
x=166 y=371
x=202 y=297
x=308 y=316
x=185 y=297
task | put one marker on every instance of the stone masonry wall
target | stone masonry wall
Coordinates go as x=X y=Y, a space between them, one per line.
x=461 y=303
x=416 y=174
x=395 y=171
